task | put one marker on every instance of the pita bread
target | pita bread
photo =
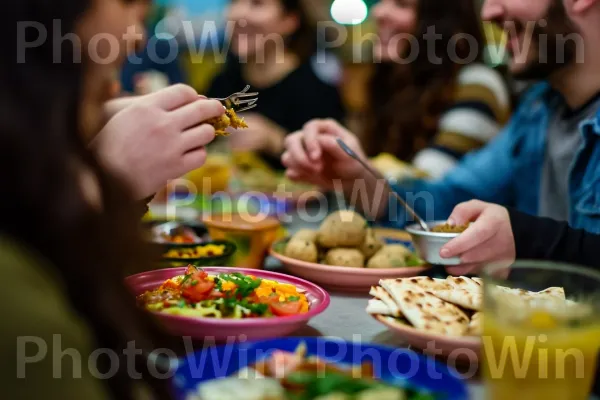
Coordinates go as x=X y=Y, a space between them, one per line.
x=378 y=307
x=429 y=313
x=479 y=281
x=419 y=282
x=462 y=282
x=461 y=297
x=379 y=293
x=557 y=293
x=476 y=325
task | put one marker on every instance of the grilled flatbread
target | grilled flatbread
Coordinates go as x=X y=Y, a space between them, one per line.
x=557 y=293
x=378 y=307
x=429 y=313
x=476 y=325
x=479 y=281
x=379 y=293
x=462 y=282
x=419 y=282
x=461 y=297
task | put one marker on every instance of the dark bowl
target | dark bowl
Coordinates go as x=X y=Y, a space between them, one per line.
x=222 y=260
x=198 y=228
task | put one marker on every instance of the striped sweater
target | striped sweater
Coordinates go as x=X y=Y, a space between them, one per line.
x=481 y=107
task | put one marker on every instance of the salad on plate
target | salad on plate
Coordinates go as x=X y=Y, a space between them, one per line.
x=224 y=296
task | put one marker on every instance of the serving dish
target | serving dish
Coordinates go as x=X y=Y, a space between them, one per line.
x=206 y=254
x=445 y=316
x=349 y=279
x=233 y=329
x=397 y=367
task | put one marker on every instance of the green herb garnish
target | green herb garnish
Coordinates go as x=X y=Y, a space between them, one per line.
x=414 y=261
x=194 y=282
x=245 y=284
x=293 y=298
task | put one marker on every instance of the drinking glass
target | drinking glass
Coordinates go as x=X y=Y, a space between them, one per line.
x=540 y=345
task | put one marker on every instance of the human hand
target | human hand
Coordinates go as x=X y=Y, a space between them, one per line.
x=488 y=240
x=159 y=137
x=262 y=134
x=313 y=155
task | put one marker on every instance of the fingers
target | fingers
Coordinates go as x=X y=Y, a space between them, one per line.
x=298 y=176
x=478 y=233
x=193 y=160
x=466 y=212
x=197 y=112
x=311 y=132
x=330 y=146
x=296 y=155
x=171 y=98
x=197 y=137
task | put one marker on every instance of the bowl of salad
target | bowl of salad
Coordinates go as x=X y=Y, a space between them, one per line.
x=228 y=303
x=314 y=369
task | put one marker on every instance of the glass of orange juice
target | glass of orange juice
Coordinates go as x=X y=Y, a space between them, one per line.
x=541 y=331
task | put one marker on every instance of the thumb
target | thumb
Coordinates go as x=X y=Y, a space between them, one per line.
x=466 y=212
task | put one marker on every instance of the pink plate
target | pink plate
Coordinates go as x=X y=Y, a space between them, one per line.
x=224 y=329
x=464 y=349
x=344 y=278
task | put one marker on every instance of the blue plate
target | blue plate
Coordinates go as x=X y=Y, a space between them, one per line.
x=399 y=367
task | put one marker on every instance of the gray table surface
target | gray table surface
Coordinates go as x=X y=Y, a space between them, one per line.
x=345 y=318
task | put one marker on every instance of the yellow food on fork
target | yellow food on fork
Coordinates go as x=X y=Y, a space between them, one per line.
x=229 y=119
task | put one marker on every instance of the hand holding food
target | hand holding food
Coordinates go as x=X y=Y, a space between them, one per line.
x=158 y=137
x=488 y=239
x=227 y=120
x=313 y=155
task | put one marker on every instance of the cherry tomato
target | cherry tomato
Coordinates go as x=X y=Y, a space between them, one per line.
x=197 y=287
x=273 y=298
x=285 y=309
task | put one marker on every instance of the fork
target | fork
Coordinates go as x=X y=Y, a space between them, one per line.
x=239 y=99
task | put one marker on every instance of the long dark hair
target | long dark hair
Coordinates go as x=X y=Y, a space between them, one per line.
x=43 y=206
x=303 y=42
x=406 y=100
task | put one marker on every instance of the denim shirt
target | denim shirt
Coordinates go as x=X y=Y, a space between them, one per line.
x=508 y=170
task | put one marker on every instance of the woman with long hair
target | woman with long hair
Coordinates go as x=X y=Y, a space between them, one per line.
x=273 y=47
x=431 y=99
x=69 y=230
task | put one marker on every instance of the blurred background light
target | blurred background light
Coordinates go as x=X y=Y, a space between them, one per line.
x=349 y=12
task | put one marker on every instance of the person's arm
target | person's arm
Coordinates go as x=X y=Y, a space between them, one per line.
x=501 y=235
x=480 y=108
x=485 y=175
x=546 y=239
